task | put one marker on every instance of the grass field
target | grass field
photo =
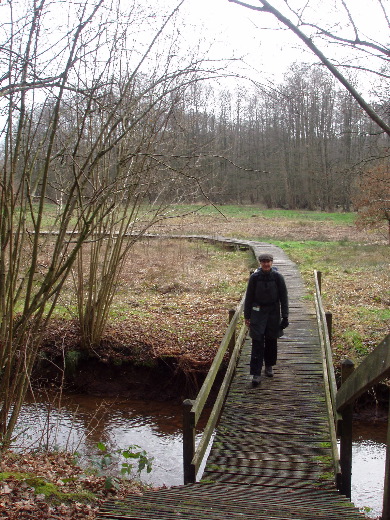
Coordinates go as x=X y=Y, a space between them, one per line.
x=173 y=296
x=354 y=263
x=250 y=222
x=249 y=212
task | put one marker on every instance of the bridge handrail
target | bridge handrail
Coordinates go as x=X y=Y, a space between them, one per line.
x=329 y=375
x=325 y=340
x=192 y=410
x=374 y=368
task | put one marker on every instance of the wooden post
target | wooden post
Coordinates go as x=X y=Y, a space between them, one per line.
x=347 y=367
x=188 y=442
x=232 y=341
x=386 y=492
x=319 y=278
x=329 y=321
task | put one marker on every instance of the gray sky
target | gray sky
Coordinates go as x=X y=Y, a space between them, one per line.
x=237 y=31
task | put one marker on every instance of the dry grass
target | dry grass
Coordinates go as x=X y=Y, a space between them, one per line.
x=281 y=228
x=173 y=297
x=172 y=301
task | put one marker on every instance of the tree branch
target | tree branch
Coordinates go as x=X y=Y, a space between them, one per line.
x=249 y=6
x=310 y=44
x=356 y=42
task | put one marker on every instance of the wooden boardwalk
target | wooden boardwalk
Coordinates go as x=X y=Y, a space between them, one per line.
x=271 y=457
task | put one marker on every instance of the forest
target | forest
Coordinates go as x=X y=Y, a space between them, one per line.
x=305 y=144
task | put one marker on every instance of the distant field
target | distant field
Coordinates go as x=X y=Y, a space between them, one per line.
x=51 y=212
x=355 y=267
x=233 y=211
x=268 y=224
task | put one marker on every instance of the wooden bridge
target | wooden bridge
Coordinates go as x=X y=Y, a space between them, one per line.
x=274 y=453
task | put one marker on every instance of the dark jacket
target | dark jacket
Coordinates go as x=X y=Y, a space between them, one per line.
x=266 y=301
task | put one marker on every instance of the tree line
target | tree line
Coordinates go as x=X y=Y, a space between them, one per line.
x=302 y=144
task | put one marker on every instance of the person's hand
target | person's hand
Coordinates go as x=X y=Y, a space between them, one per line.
x=248 y=323
x=284 y=323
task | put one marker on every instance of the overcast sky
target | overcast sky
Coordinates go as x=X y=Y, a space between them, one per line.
x=237 y=31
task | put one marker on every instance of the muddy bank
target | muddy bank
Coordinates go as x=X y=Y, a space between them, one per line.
x=160 y=380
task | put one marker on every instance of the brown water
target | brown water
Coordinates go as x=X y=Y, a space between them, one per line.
x=80 y=422
x=83 y=421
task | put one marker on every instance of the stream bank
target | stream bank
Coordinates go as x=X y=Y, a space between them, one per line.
x=163 y=379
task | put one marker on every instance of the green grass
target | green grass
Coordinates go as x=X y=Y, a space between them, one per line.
x=328 y=256
x=245 y=212
x=353 y=340
x=230 y=211
x=369 y=314
x=48 y=489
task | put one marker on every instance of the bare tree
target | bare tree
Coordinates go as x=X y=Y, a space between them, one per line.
x=372 y=197
x=309 y=33
x=82 y=104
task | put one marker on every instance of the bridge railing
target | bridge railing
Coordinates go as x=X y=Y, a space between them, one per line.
x=192 y=409
x=372 y=370
x=324 y=329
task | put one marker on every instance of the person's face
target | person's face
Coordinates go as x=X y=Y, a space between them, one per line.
x=266 y=265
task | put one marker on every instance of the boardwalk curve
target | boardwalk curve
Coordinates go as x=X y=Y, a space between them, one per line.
x=271 y=457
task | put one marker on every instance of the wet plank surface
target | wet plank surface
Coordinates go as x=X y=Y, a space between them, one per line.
x=271 y=456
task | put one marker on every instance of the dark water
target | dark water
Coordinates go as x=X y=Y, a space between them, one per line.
x=78 y=423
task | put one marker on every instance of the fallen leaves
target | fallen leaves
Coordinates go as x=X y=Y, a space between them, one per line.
x=21 y=473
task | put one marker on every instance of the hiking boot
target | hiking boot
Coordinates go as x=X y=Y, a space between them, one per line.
x=256 y=380
x=269 y=372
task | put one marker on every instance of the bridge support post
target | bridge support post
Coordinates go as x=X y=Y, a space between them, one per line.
x=232 y=341
x=319 y=278
x=188 y=442
x=347 y=367
x=329 y=323
x=386 y=493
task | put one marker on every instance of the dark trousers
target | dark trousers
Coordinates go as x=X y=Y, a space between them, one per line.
x=263 y=349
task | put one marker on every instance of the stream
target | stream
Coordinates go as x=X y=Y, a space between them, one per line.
x=79 y=422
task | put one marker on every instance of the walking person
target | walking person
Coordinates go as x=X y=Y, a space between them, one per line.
x=265 y=313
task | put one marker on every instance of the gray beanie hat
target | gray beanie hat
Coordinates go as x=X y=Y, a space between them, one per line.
x=266 y=256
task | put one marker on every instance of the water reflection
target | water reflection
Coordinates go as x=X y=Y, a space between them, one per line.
x=78 y=423
x=368 y=466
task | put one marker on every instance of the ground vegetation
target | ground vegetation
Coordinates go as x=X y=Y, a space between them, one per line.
x=51 y=486
x=170 y=309
x=172 y=302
